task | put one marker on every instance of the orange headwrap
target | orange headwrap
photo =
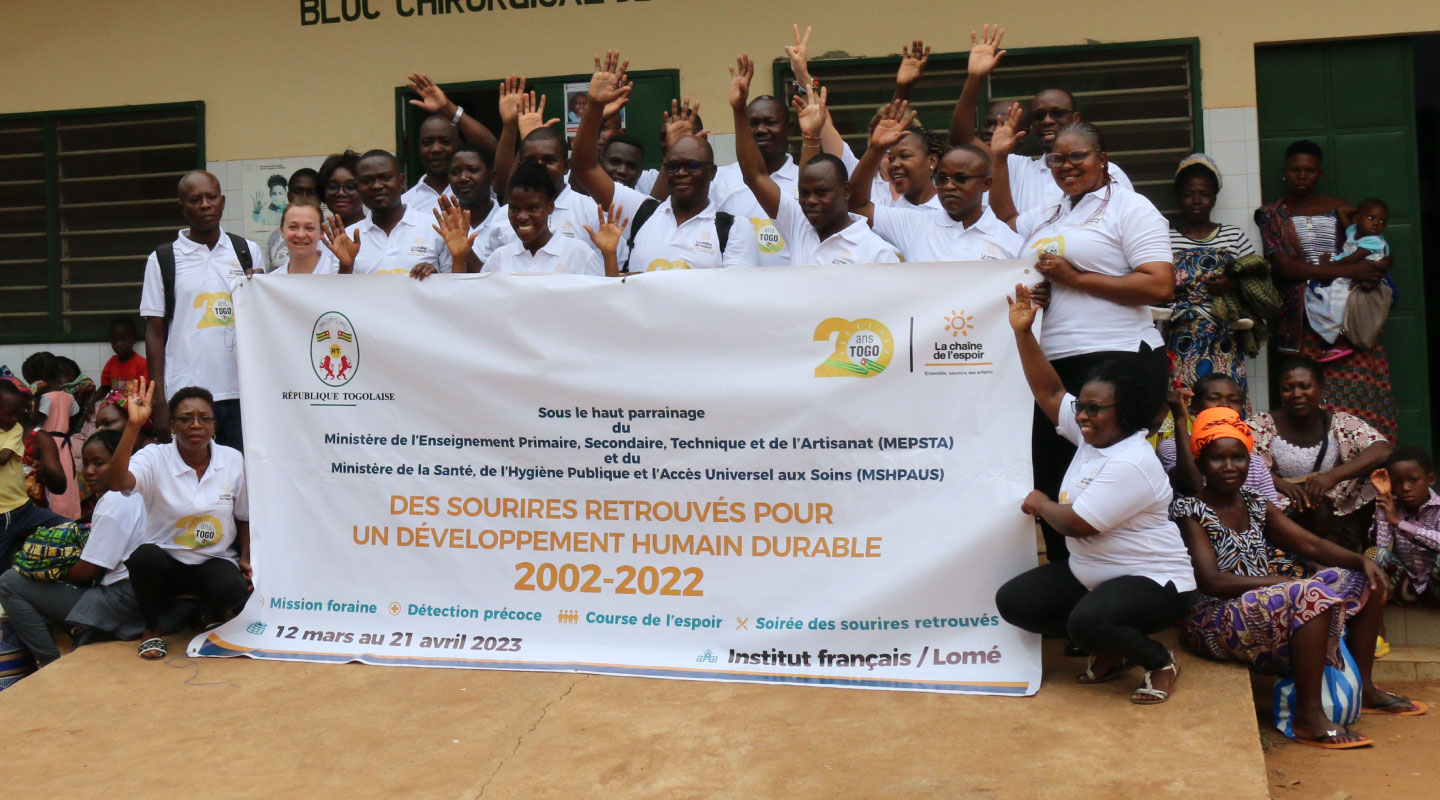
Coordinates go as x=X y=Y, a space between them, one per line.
x=1219 y=423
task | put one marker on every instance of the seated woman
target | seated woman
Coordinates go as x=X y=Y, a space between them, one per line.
x=196 y=510
x=1279 y=625
x=1128 y=575
x=1321 y=459
x=117 y=527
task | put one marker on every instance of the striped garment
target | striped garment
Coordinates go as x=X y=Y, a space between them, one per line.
x=1227 y=237
x=1317 y=235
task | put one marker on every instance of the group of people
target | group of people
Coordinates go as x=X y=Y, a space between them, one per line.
x=1253 y=539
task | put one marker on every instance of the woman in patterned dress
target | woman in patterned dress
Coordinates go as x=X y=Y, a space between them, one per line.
x=1279 y=625
x=1204 y=250
x=1300 y=233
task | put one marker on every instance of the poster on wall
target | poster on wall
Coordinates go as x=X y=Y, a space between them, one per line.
x=266 y=186
x=577 y=96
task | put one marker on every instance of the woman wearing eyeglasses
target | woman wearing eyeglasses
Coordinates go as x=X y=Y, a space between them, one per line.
x=1128 y=574
x=196 y=511
x=1104 y=252
x=340 y=189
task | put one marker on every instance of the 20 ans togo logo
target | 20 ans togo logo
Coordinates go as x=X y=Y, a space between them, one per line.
x=863 y=348
x=334 y=349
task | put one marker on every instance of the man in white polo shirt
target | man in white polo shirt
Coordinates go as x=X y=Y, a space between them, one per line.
x=438 y=139
x=393 y=239
x=963 y=229
x=1032 y=185
x=818 y=225
x=768 y=120
x=190 y=316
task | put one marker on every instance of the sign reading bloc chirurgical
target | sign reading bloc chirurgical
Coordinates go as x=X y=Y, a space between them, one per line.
x=803 y=475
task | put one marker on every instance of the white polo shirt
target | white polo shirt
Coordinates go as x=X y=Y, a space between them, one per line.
x=1032 y=184
x=117 y=527
x=491 y=232
x=729 y=193
x=557 y=255
x=927 y=234
x=1123 y=492
x=200 y=348
x=327 y=265
x=412 y=241
x=854 y=244
x=573 y=211
x=662 y=244
x=192 y=519
x=1109 y=237
x=423 y=198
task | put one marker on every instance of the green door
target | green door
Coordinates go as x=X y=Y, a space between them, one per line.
x=1356 y=99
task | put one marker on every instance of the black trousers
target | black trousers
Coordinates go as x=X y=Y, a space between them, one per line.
x=158 y=579
x=227 y=424
x=1115 y=618
x=1051 y=453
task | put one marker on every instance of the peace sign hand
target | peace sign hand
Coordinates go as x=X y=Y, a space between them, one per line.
x=799 y=55
x=337 y=240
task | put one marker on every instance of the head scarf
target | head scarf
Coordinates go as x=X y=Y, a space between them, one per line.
x=1201 y=160
x=118 y=399
x=1218 y=423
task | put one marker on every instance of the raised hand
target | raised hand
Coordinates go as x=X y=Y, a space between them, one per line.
x=138 y=399
x=811 y=111
x=608 y=85
x=1022 y=311
x=432 y=97
x=912 y=63
x=532 y=115
x=679 y=122
x=453 y=224
x=894 y=122
x=337 y=240
x=608 y=227
x=1008 y=132
x=799 y=55
x=512 y=90
x=1380 y=479
x=985 y=52
x=740 y=76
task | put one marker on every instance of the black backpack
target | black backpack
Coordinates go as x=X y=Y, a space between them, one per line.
x=165 y=255
x=723 y=221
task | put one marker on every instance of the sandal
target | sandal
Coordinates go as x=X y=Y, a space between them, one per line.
x=1394 y=700
x=1327 y=741
x=153 y=649
x=1147 y=694
x=1089 y=676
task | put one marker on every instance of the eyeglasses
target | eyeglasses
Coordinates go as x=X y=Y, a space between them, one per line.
x=1076 y=157
x=191 y=421
x=1089 y=409
x=959 y=180
x=692 y=166
x=346 y=188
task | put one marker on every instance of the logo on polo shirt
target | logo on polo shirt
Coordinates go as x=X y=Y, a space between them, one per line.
x=767 y=236
x=665 y=263
x=334 y=349
x=863 y=348
x=1054 y=245
x=219 y=310
x=199 y=531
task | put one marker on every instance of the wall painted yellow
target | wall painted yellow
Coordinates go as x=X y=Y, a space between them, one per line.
x=273 y=87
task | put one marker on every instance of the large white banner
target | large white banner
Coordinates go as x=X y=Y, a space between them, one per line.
x=805 y=475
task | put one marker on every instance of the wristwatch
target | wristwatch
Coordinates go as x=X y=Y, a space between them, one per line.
x=459 y=112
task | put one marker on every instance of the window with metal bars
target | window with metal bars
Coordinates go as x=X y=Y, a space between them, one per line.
x=1144 y=96
x=84 y=197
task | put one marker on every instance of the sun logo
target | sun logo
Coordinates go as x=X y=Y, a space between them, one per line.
x=958 y=323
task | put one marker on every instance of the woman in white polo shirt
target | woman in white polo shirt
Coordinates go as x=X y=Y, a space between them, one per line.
x=301 y=225
x=1128 y=574
x=196 y=509
x=1104 y=252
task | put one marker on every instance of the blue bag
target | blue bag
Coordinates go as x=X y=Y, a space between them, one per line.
x=1339 y=695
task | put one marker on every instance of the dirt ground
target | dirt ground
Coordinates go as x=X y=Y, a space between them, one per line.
x=1402 y=764
x=240 y=727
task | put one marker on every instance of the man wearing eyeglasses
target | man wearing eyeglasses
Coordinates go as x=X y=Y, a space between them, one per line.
x=1031 y=183
x=684 y=230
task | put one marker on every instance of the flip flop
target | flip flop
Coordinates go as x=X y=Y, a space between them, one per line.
x=150 y=646
x=1395 y=700
x=1325 y=742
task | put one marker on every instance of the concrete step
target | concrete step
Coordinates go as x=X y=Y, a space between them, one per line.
x=1408 y=662
x=1412 y=625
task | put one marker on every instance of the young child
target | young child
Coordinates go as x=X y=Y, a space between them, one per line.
x=125 y=366
x=1326 y=305
x=1407 y=524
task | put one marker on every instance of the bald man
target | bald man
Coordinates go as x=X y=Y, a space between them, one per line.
x=438 y=140
x=189 y=314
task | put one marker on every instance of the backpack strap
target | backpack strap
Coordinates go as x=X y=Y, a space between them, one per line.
x=723 y=221
x=165 y=256
x=242 y=252
x=646 y=210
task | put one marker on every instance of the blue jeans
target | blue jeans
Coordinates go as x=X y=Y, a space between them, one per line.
x=15 y=525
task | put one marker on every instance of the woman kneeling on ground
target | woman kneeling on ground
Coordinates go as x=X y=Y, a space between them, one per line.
x=196 y=508
x=1279 y=625
x=1128 y=575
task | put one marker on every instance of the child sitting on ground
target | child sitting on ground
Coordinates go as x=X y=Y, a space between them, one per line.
x=125 y=366
x=1331 y=309
x=1406 y=531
